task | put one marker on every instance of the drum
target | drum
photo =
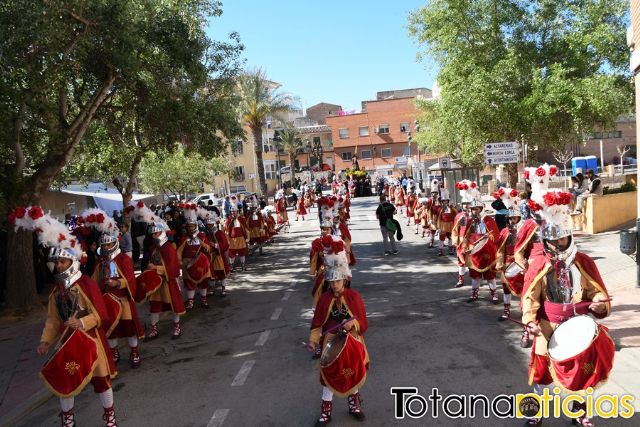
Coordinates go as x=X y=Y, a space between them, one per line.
x=72 y=366
x=114 y=312
x=342 y=364
x=198 y=268
x=581 y=353
x=482 y=251
x=513 y=270
x=147 y=283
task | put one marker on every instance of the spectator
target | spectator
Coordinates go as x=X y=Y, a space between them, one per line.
x=262 y=202
x=594 y=188
x=384 y=212
x=501 y=213
x=211 y=207
x=226 y=206
x=126 y=244
x=523 y=205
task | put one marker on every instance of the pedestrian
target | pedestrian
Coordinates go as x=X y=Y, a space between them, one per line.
x=384 y=213
x=226 y=207
x=126 y=244
x=501 y=213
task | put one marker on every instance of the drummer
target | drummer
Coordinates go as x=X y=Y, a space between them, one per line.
x=460 y=218
x=481 y=266
x=74 y=303
x=122 y=285
x=559 y=280
x=340 y=306
x=193 y=247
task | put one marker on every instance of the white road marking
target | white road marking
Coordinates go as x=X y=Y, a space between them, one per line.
x=243 y=373
x=286 y=295
x=264 y=336
x=218 y=418
x=276 y=314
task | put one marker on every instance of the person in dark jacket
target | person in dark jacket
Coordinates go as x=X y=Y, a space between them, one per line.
x=385 y=211
x=501 y=213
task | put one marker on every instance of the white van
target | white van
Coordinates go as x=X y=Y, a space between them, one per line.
x=204 y=198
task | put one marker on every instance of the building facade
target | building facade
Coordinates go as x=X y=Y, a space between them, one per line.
x=379 y=138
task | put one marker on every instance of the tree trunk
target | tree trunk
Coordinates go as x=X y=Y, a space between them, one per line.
x=512 y=171
x=22 y=296
x=133 y=174
x=291 y=160
x=257 y=142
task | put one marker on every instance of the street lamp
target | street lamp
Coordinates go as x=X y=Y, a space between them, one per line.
x=308 y=145
x=317 y=151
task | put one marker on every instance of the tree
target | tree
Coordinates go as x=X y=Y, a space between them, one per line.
x=178 y=172
x=289 y=140
x=61 y=62
x=259 y=100
x=546 y=71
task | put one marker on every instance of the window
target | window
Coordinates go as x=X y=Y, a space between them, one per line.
x=363 y=131
x=237 y=188
x=386 y=153
x=407 y=151
x=237 y=147
x=383 y=128
x=238 y=173
x=404 y=127
x=347 y=156
x=316 y=140
x=270 y=169
x=268 y=145
x=344 y=133
x=365 y=154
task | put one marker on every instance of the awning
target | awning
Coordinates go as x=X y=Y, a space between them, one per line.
x=107 y=201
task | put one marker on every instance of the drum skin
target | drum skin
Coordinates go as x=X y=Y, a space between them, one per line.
x=485 y=257
x=147 y=283
x=347 y=371
x=588 y=367
x=71 y=367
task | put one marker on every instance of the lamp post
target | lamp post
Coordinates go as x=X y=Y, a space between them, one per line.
x=416 y=128
x=308 y=145
x=317 y=151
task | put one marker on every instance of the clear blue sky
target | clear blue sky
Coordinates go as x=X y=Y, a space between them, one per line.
x=341 y=52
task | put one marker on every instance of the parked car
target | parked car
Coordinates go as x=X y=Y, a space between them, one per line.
x=285 y=169
x=204 y=198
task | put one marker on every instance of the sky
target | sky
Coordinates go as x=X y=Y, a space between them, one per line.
x=339 y=52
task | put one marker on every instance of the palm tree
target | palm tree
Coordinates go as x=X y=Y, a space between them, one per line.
x=289 y=141
x=259 y=101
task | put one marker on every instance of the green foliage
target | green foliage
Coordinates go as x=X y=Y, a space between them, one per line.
x=624 y=188
x=259 y=100
x=178 y=172
x=356 y=174
x=546 y=71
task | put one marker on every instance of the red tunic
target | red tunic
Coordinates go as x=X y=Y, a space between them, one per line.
x=170 y=276
x=301 y=209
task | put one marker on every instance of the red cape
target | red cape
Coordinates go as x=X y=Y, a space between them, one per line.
x=354 y=303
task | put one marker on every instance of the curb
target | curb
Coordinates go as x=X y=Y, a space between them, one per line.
x=33 y=402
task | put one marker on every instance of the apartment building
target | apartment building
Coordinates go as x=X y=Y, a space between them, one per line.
x=380 y=136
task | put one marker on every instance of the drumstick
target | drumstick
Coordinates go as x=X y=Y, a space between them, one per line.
x=517 y=322
x=338 y=326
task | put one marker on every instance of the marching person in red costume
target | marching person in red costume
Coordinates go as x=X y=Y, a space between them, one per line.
x=300 y=209
x=466 y=194
x=341 y=229
x=75 y=314
x=281 y=208
x=220 y=268
x=560 y=283
x=237 y=231
x=340 y=313
x=410 y=203
x=193 y=252
x=270 y=224
x=392 y=192
x=479 y=235
x=398 y=198
x=433 y=206
x=115 y=275
x=163 y=262
x=257 y=227
x=514 y=248
x=444 y=222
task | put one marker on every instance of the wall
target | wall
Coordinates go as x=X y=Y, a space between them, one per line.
x=604 y=213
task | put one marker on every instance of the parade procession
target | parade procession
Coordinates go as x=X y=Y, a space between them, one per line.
x=222 y=213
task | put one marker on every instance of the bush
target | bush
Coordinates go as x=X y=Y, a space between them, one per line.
x=624 y=188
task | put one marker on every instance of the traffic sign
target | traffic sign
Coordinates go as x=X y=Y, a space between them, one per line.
x=497 y=153
x=511 y=145
x=444 y=163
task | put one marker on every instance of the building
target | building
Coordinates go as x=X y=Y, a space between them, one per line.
x=378 y=137
x=311 y=136
x=319 y=112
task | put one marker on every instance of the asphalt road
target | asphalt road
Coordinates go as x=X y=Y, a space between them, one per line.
x=243 y=362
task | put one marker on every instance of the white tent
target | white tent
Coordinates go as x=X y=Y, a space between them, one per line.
x=107 y=199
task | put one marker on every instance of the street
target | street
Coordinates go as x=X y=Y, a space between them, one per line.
x=243 y=361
